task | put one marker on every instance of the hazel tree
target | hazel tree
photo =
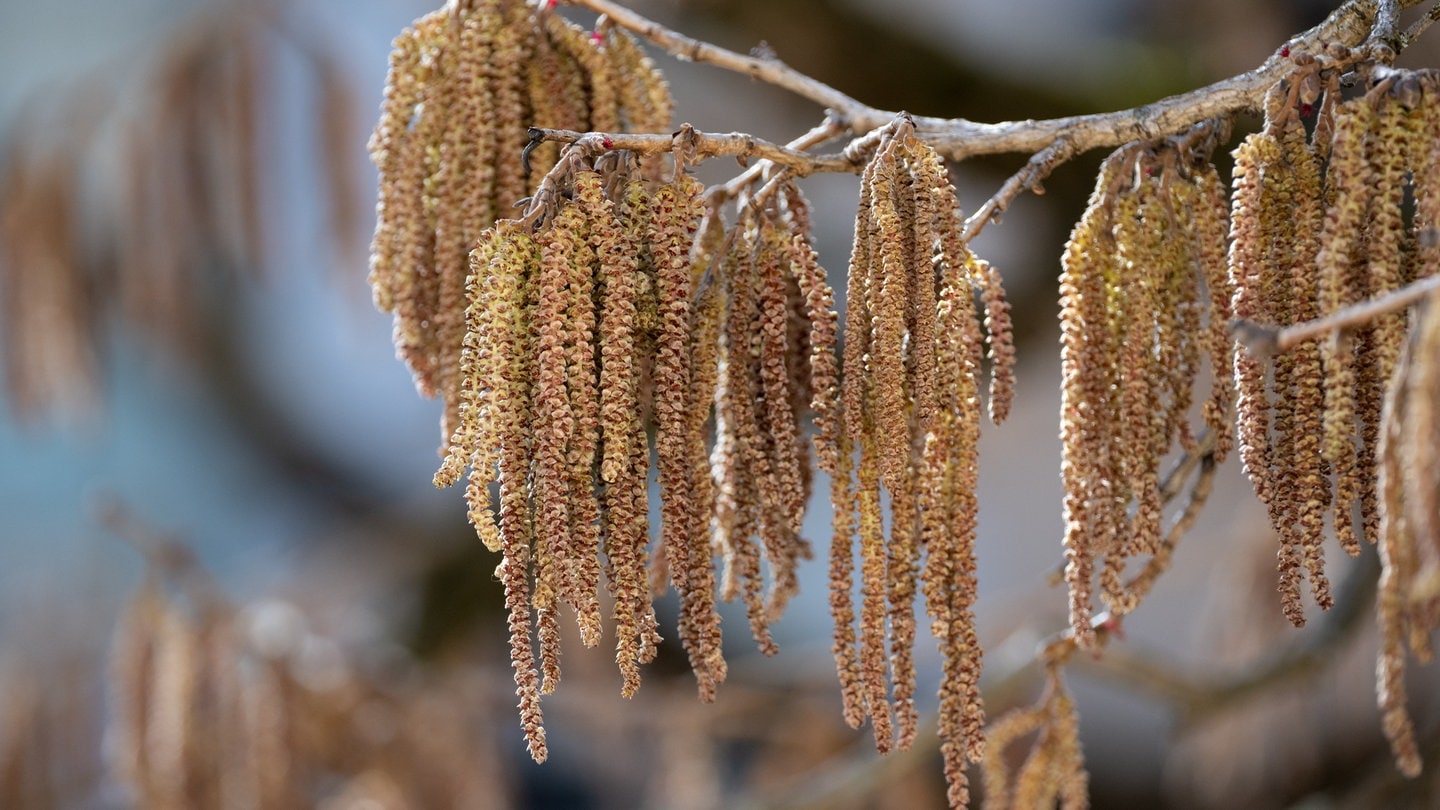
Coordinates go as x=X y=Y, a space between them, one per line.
x=625 y=300
x=595 y=319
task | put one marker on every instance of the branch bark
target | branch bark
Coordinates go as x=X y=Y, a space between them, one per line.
x=957 y=138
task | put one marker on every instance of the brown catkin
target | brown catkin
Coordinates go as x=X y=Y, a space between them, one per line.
x=1420 y=435
x=501 y=265
x=888 y=296
x=1279 y=246
x=1307 y=393
x=600 y=79
x=782 y=491
x=514 y=399
x=738 y=458
x=1398 y=570
x=1134 y=314
x=1349 y=185
x=392 y=154
x=779 y=418
x=1086 y=361
x=1386 y=154
x=872 y=593
x=583 y=578
x=847 y=503
x=901 y=571
x=927 y=180
x=1001 y=342
x=674 y=219
x=1210 y=225
x=1246 y=275
x=644 y=94
x=553 y=426
x=704 y=379
x=841 y=576
x=1261 y=239
x=619 y=267
x=950 y=574
x=514 y=49
x=556 y=93
x=626 y=536
x=824 y=349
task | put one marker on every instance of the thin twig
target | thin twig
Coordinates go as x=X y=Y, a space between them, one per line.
x=1263 y=341
x=766 y=68
x=1029 y=177
x=739 y=145
x=826 y=130
x=1198 y=696
x=1418 y=27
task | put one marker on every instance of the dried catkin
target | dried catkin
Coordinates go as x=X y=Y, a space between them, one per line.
x=911 y=410
x=464 y=84
x=1306 y=393
x=1132 y=336
x=1086 y=360
x=1054 y=768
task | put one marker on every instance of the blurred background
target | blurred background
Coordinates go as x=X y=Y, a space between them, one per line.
x=212 y=466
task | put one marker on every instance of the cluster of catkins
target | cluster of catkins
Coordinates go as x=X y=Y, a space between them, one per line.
x=1134 y=326
x=619 y=308
x=628 y=310
x=1321 y=223
x=911 y=420
x=465 y=83
x=619 y=305
x=221 y=705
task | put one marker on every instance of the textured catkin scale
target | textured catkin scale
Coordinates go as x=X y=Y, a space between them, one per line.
x=515 y=45
x=1135 y=312
x=675 y=211
x=1001 y=342
x=618 y=266
x=497 y=350
x=581 y=365
x=553 y=425
x=1381 y=269
x=887 y=294
x=1263 y=235
x=597 y=70
x=927 y=179
x=1276 y=249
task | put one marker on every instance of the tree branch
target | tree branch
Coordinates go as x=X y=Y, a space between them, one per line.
x=1263 y=341
x=1418 y=27
x=1351 y=25
x=1199 y=696
x=700 y=145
